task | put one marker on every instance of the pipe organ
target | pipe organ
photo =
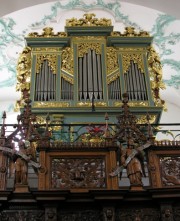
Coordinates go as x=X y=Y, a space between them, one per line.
x=90 y=76
x=135 y=83
x=45 y=84
x=90 y=63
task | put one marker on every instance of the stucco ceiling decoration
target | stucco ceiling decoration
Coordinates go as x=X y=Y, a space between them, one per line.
x=166 y=6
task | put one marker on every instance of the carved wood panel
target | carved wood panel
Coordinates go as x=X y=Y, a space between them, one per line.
x=145 y=214
x=164 y=167
x=68 y=173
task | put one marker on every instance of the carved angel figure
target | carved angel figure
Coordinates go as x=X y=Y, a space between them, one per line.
x=135 y=167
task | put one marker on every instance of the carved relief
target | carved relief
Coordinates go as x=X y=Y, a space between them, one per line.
x=84 y=47
x=88 y=20
x=130 y=32
x=137 y=58
x=51 y=214
x=112 y=60
x=145 y=214
x=47 y=32
x=23 y=75
x=70 y=173
x=68 y=61
x=52 y=62
x=155 y=71
x=83 y=215
x=22 y=215
x=170 y=167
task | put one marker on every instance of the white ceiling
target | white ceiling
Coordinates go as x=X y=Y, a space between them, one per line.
x=169 y=7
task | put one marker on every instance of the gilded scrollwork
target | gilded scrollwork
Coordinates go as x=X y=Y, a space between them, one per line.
x=50 y=104
x=136 y=57
x=155 y=71
x=68 y=61
x=46 y=49
x=143 y=119
x=132 y=104
x=130 y=32
x=88 y=20
x=112 y=60
x=23 y=75
x=47 y=33
x=89 y=104
x=52 y=62
x=84 y=47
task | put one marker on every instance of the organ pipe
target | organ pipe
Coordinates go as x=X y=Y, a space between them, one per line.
x=45 y=86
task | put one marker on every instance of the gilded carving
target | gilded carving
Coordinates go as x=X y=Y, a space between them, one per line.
x=23 y=75
x=155 y=70
x=142 y=50
x=89 y=104
x=130 y=32
x=112 y=60
x=143 y=119
x=136 y=57
x=80 y=38
x=68 y=78
x=50 y=104
x=133 y=104
x=52 y=62
x=88 y=20
x=68 y=61
x=112 y=77
x=47 y=33
x=48 y=49
x=84 y=47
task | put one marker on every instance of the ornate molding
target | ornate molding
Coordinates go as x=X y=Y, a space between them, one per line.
x=89 y=104
x=88 y=20
x=130 y=32
x=133 y=104
x=47 y=33
x=49 y=104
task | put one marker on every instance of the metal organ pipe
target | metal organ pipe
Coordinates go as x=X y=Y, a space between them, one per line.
x=45 y=88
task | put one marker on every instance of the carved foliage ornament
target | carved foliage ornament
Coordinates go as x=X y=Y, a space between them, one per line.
x=47 y=33
x=88 y=20
x=23 y=75
x=52 y=62
x=136 y=57
x=130 y=32
x=170 y=167
x=67 y=60
x=78 y=173
x=112 y=60
x=84 y=47
x=155 y=70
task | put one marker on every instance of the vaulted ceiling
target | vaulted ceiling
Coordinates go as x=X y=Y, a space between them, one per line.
x=169 y=7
